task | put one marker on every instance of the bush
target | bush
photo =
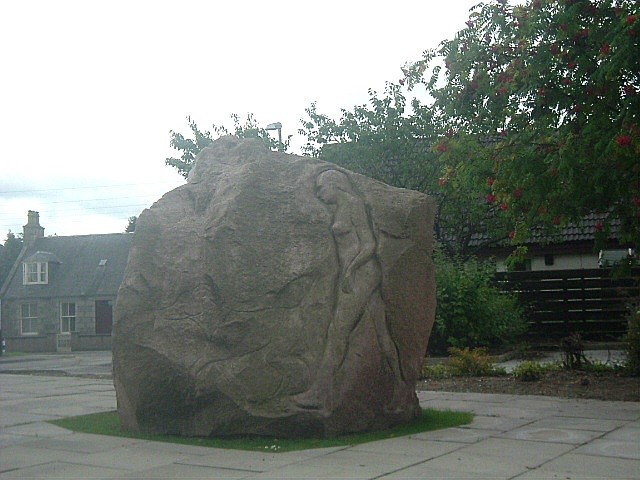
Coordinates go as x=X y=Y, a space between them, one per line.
x=439 y=371
x=472 y=311
x=464 y=362
x=528 y=371
x=474 y=362
x=602 y=367
x=632 y=345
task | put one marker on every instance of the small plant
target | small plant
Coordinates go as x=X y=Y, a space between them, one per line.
x=464 y=362
x=632 y=345
x=474 y=362
x=528 y=371
x=601 y=367
x=439 y=371
x=572 y=348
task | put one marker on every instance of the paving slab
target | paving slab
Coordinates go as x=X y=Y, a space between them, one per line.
x=22 y=456
x=578 y=423
x=428 y=471
x=59 y=470
x=626 y=433
x=37 y=429
x=496 y=423
x=612 y=448
x=135 y=456
x=454 y=435
x=11 y=418
x=422 y=448
x=599 y=409
x=256 y=462
x=181 y=471
x=500 y=457
x=552 y=435
x=576 y=466
x=82 y=443
x=351 y=465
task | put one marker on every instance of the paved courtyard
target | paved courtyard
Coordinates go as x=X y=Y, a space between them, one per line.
x=511 y=437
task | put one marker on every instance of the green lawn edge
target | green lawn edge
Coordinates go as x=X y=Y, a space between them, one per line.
x=107 y=423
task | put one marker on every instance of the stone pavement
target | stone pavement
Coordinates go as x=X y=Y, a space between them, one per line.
x=523 y=437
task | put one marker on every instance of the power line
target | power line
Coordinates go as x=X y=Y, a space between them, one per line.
x=94 y=209
x=81 y=210
x=79 y=214
x=81 y=188
x=82 y=203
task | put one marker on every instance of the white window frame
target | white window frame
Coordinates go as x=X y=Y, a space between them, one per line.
x=35 y=273
x=67 y=317
x=30 y=319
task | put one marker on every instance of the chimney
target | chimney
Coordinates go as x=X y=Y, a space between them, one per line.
x=32 y=230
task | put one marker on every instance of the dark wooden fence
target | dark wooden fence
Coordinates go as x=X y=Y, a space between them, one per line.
x=592 y=302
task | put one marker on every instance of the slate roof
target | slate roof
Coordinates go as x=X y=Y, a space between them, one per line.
x=76 y=266
x=583 y=231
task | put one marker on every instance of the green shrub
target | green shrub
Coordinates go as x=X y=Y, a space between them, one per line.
x=439 y=371
x=472 y=311
x=474 y=362
x=528 y=371
x=464 y=362
x=632 y=345
x=601 y=367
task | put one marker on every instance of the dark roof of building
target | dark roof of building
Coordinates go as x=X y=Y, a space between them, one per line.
x=586 y=229
x=82 y=265
x=583 y=231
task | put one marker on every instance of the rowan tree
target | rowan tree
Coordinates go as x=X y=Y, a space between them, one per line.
x=549 y=92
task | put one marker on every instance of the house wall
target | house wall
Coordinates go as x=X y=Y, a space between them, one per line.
x=80 y=342
x=31 y=344
x=46 y=340
x=576 y=261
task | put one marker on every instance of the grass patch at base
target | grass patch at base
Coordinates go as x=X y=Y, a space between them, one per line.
x=109 y=424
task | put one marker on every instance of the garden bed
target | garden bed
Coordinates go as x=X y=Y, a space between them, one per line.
x=611 y=386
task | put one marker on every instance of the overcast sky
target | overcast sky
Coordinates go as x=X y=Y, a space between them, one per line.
x=90 y=90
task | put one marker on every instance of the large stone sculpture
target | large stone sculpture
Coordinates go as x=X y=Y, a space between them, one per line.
x=274 y=295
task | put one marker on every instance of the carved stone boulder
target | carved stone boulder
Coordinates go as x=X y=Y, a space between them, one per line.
x=274 y=294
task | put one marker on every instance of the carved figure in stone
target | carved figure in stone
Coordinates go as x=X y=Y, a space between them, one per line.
x=358 y=296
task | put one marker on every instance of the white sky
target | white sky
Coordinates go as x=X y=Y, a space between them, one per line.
x=90 y=89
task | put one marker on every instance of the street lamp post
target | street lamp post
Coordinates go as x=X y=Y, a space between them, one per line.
x=276 y=126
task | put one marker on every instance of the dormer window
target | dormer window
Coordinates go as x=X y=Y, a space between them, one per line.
x=35 y=273
x=35 y=269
